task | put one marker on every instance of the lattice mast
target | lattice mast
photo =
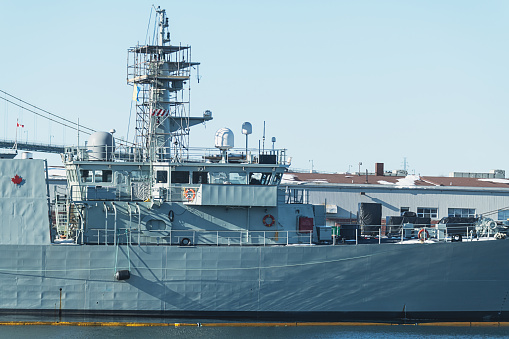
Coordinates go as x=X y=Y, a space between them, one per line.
x=161 y=74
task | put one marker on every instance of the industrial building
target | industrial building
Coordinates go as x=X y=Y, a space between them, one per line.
x=459 y=195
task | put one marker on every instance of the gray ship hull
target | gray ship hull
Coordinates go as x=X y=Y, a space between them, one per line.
x=444 y=281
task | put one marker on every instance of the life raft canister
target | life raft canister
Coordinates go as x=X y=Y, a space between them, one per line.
x=189 y=194
x=423 y=234
x=269 y=220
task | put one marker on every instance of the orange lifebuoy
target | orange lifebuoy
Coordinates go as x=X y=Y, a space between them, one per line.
x=267 y=223
x=189 y=194
x=423 y=234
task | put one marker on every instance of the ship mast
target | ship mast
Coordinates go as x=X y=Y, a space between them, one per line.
x=161 y=74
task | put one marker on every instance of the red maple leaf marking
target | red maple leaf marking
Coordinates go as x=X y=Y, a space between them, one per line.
x=17 y=179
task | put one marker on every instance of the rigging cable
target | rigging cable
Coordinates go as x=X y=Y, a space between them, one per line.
x=148 y=27
x=58 y=122
x=129 y=121
x=69 y=121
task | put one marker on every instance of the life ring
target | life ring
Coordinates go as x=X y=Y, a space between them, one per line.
x=271 y=221
x=423 y=234
x=189 y=194
x=185 y=242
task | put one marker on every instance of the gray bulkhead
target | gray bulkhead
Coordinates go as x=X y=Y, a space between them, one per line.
x=24 y=203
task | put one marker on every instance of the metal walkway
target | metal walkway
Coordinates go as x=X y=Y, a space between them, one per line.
x=32 y=147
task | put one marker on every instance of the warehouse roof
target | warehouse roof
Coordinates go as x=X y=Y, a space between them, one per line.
x=401 y=181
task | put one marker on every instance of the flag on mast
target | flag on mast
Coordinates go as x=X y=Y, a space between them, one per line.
x=136 y=93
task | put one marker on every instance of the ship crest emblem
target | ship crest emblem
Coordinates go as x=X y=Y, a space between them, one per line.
x=17 y=180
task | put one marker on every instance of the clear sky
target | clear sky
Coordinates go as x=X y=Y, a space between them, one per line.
x=337 y=82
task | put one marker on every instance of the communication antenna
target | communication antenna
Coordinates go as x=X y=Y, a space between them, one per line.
x=405 y=164
x=263 y=144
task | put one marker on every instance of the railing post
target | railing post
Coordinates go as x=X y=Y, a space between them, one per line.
x=105 y=224
x=217 y=238
x=380 y=235
x=114 y=224
x=356 y=236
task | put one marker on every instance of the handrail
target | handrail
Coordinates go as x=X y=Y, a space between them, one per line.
x=125 y=153
x=134 y=235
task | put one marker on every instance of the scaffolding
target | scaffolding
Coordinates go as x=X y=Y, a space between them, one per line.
x=160 y=75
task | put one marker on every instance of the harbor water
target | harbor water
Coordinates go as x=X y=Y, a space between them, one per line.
x=318 y=332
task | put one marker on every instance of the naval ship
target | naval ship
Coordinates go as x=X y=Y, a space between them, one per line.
x=158 y=228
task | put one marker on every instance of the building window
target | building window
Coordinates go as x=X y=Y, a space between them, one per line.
x=503 y=215
x=427 y=212
x=402 y=210
x=462 y=212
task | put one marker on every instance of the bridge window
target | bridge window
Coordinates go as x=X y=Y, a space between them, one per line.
x=237 y=178
x=200 y=178
x=180 y=177
x=259 y=178
x=162 y=177
x=218 y=178
x=277 y=178
x=103 y=175
x=86 y=176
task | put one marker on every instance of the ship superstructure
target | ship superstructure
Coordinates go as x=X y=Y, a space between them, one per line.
x=161 y=190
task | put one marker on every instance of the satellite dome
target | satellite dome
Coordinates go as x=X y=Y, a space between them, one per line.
x=224 y=139
x=247 y=128
x=101 y=146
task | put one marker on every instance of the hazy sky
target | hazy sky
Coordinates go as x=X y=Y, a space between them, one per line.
x=337 y=82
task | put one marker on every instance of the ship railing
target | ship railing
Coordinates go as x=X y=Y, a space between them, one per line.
x=409 y=232
x=126 y=153
x=134 y=236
